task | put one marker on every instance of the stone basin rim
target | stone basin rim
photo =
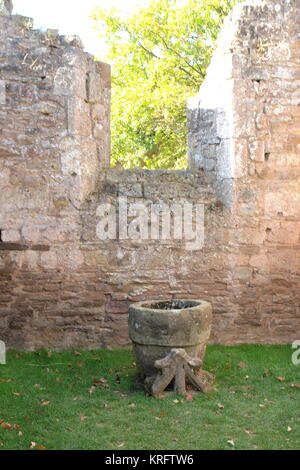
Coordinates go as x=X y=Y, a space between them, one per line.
x=148 y=306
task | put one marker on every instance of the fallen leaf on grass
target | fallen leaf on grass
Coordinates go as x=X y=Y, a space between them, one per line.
x=17 y=394
x=132 y=405
x=175 y=401
x=82 y=417
x=41 y=448
x=44 y=403
x=189 y=397
x=232 y=443
x=242 y=365
x=219 y=405
x=161 y=396
x=80 y=364
x=121 y=445
x=6 y=425
x=281 y=379
x=100 y=383
x=107 y=407
x=32 y=445
x=49 y=353
x=295 y=385
x=269 y=401
x=289 y=429
x=261 y=405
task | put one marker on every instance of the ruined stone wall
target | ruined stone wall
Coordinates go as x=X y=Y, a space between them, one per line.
x=245 y=134
x=60 y=284
x=54 y=141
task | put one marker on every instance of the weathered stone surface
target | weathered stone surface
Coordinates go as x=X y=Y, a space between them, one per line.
x=170 y=336
x=156 y=327
x=12 y=236
x=251 y=85
x=180 y=367
x=64 y=287
x=6 y=7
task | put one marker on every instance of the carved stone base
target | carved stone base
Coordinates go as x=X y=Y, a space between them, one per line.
x=181 y=368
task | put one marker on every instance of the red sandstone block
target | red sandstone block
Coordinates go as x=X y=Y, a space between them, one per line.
x=116 y=307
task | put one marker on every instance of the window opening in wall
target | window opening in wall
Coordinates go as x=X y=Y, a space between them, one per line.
x=159 y=55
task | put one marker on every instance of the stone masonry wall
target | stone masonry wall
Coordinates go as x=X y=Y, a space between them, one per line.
x=245 y=134
x=62 y=286
x=54 y=140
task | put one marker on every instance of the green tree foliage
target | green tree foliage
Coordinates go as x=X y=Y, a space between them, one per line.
x=159 y=57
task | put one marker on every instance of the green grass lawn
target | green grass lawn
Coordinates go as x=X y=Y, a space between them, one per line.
x=49 y=399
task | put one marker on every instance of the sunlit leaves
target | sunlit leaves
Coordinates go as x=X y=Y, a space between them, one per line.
x=159 y=57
